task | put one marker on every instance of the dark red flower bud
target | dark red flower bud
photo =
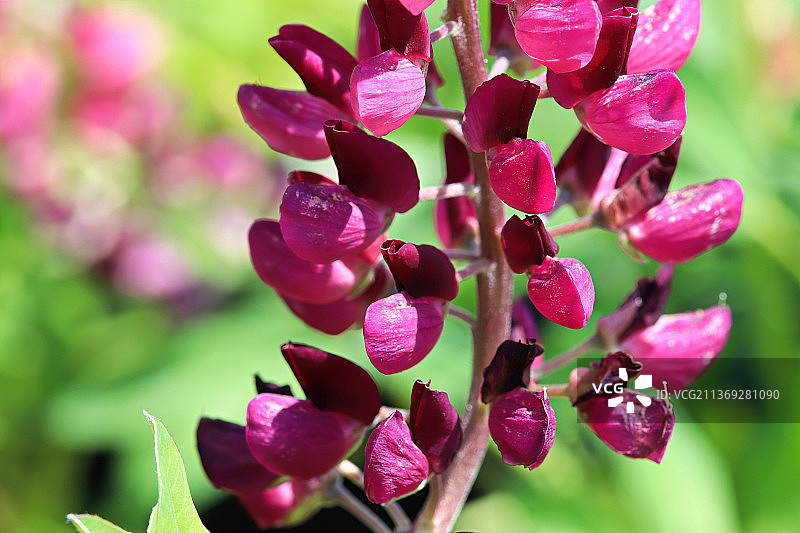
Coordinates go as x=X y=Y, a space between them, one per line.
x=643 y=190
x=455 y=219
x=398 y=28
x=369 y=42
x=420 y=270
x=435 y=426
x=607 y=64
x=526 y=243
x=274 y=388
x=523 y=425
x=333 y=383
x=579 y=169
x=227 y=460
x=522 y=176
x=394 y=466
x=506 y=371
x=304 y=176
x=373 y=168
x=322 y=64
x=498 y=111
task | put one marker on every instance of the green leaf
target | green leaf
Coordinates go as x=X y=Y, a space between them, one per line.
x=89 y=523
x=174 y=512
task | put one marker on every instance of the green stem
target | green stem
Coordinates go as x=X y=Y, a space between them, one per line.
x=589 y=345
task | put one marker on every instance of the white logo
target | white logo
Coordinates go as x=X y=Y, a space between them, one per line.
x=645 y=381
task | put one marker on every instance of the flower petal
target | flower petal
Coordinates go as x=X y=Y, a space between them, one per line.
x=435 y=426
x=401 y=30
x=666 y=35
x=523 y=425
x=522 y=176
x=562 y=290
x=506 y=371
x=420 y=270
x=526 y=243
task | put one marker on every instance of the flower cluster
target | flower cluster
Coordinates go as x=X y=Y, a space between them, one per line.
x=615 y=67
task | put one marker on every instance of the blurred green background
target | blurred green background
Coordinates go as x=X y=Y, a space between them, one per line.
x=79 y=360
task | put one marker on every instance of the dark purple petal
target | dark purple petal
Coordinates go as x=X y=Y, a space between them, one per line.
x=407 y=33
x=645 y=189
x=290 y=121
x=393 y=464
x=373 y=168
x=688 y=221
x=281 y=269
x=526 y=243
x=523 y=321
x=435 y=426
x=610 y=5
x=523 y=425
x=454 y=218
x=562 y=290
x=559 y=34
x=399 y=331
x=522 y=176
x=420 y=270
x=323 y=65
x=304 y=176
x=386 y=91
x=666 y=35
x=639 y=114
x=292 y=437
x=640 y=309
x=369 y=42
x=333 y=383
x=677 y=349
x=274 y=388
x=642 y=434
x=506 y=371
x=579 y=169
x=227 y=460
x=607 y=64
x=322 y=223
x=499 y=110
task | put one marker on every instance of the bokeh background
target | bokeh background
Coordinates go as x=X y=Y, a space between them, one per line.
x=125 y=283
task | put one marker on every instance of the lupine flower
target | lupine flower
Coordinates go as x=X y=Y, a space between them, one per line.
x=454 y=218
x=678 y=348
x=506 y=371
x=387 y=89
x=562 y=290
x=643 y=433
x=435 y=426
x=523 y=425
x=688 y=221
x=29 y=82
x=523 y=321
x=394 y=465
x=579 y=170
x=307 y=438
x=526 y=243
x=420 y=270
x=322 y=221
x=665 y=36
x=496 y=121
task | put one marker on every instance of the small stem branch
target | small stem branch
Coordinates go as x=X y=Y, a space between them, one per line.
x=356 y=476
x=451 y=190
x=481 y=265
x=463 y=315
x=453 y=126
x=345 y=499
x=555 y=391
x=500 y=65
x=448 y=28
x=540 y=79
x=440 y=112
x=583 y=223
x=544 y=93
x=551 y=365
x=461 y=255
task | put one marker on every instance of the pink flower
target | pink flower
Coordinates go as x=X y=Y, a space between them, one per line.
x=666 y=35
x=435 y=426
x=420 y=270
x=523 y=425
x=562 y=290
x=507 y=370
x=526 y=243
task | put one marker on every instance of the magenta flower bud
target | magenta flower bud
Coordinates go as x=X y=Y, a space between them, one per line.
x=688 y=221
x=607 y=64
x=523 y=425
x=642 y=434
x=333 y=383
x=394 y=466
x=398 y=28
x=666 y=35
x=322 y=64
x=291 y=502
x=507 y=369
x=559 y=34
x=369 y=42
x=523 y=322
x=415 y=7
x=503 y=41
x=678 y=348
x=435 y=426
x=29 y=88
x=373 y=168
x=305 y=176
x=640 y=309
x=227 y=460
x=322 y=223
x=562 y=290
x=290 y=121
x=498 y=111
x=455 y=219
x=386 y=91
x=641 y=191
x=522 y=176
x=291 y=437
x=335 y=317
x=399 y=330
x=281 y=269
x=639 y=114
x=580 y=167
x=420 y=270
x=526 y=243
